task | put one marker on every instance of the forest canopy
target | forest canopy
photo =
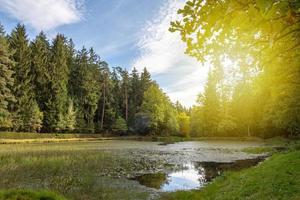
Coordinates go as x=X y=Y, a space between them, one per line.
x=49 y=86
x=253 y=86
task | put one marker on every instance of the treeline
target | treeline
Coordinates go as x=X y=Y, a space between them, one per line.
x=258 y=92
x=52 y=87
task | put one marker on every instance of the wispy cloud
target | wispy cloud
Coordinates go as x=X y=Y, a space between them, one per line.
x=44 y=14
x=162 y=52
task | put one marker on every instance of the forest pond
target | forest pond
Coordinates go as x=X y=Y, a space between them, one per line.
x=131 y=169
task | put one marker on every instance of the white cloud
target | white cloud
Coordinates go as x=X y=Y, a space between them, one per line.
x=44 y=14
x=162 y=52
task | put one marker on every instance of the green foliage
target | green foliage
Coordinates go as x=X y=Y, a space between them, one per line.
x=55 y=88
x=56 y=105
x=85 y=84
x=259 y=92
x=158 y=108
x=27 y=116
x=40 y=55
x=120 y=125
x=70 y=117
x=184 y=124
x=6 y=82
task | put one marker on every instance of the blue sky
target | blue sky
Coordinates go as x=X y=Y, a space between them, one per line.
x=126 y=33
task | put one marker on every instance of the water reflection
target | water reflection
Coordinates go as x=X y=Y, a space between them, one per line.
x=192 y=175
x=187 y=179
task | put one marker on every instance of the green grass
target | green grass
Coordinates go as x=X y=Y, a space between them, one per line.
x=14 y=135
x=29 y=195
x=76 y=170
x=258 y=150
x=276 y=178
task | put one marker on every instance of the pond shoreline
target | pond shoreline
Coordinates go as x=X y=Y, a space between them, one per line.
x=20 y=138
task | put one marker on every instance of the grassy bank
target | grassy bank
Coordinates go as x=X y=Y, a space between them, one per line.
x=19 y=138
x=28 y=195
x=19 y=135
x=276 y=178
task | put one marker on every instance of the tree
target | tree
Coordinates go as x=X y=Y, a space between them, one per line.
x=158 y=110
x=56 y=105
x=135 y=94
x=35 y=117
x=211 y=105
x=184 y=124
x=106 y=113
x=146 y=82
x=125 y=92
x=262 y=38
x=40 y=54
x=85 y=84
x=70 y=118
x=23 y=82
x=6 y=82
x=120 y=125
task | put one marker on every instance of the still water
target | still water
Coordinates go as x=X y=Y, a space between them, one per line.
x=193 y=175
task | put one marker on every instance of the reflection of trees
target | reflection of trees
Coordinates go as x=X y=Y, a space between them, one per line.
x=209 y=170
x=152 y=180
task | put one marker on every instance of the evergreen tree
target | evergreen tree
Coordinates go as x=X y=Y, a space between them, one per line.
x=125 y=92
x=116 y=90
x=70 y=118
x=56 y=106
x=120 y=125
x=23 y=87
x=85 y=84
x=106 y=113
x=40 y=54
x=135 y=94
x=6 y=82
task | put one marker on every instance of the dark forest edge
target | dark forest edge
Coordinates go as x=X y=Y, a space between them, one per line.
x=52 y=87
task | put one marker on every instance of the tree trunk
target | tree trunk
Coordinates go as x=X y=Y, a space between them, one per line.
x=103 y=107
x=248 y=130
x=126 y=104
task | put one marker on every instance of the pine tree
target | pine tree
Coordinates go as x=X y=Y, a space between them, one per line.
x=135 y=94
x=86 y=87
x=125 y=92
x=146 y=82
x=6 y=82
x=70 y=117
x=210 y=103
x=56 y=106
x=23 y=90
x=40 y=54
x=116 y=90
x=120 y=125
x=106 y=113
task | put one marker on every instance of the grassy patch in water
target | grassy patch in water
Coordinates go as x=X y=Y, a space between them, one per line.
x=22 y=194
x=276 y=178
x=75 y=170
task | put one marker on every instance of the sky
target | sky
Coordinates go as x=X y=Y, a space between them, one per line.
x=126 y=33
